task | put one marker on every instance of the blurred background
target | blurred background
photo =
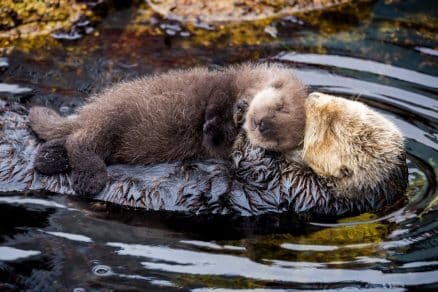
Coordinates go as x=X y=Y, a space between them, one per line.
x=382 y=52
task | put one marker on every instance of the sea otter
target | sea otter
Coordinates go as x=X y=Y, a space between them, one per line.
x=345 y=142
x=179 y=115
x=260 y=181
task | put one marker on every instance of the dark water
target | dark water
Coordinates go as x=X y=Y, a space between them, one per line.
x=383 y=53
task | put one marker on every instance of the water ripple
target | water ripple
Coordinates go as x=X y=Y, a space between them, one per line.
x=201 y=263
x=70 y=236
x=13 y=88
x=361 y=65
x=11 y=254
x=407 y=100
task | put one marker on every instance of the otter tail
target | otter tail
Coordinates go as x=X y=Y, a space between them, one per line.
x=48 y=124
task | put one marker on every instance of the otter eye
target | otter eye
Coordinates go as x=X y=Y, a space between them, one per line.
x=279 y=107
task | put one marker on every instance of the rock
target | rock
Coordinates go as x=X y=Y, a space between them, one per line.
x=236 y=10
x=32 y=17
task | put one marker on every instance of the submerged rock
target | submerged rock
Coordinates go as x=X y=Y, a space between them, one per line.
x=257 y=183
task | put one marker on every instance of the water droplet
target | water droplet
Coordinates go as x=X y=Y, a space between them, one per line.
x=102 y=270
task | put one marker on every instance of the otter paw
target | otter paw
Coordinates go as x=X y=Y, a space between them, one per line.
x=52 y=158
x=89 y=181
x=344 y=172
x=240 y=109
x=213 y=133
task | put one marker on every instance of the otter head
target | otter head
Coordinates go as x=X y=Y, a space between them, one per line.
x=275 y=118
x=349 y=142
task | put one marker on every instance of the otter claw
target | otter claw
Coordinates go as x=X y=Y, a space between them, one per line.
x=239 y=111
x=345 y=172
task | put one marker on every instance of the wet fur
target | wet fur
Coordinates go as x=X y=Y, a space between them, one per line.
x=348 y=142
x=283 y=117
x=174 y=116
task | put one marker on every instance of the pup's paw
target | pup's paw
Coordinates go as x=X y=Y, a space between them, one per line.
x=52 y=158
x=212 y=133
x=89 y=180
x=239 y=111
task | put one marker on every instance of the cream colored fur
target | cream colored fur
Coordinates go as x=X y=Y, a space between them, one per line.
x=348 y=141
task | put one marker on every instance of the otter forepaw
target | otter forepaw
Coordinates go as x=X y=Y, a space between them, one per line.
x=240 y=109
x=90 y=178
x=213 y=133
x=344 y=172
x=52 y=158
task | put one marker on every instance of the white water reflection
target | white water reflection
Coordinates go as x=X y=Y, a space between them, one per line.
x=202 y=263
x=415 y=102
x=70 y=236
x=363 y=66
x=308 y=247
x=23 y=201
x=13 y=88
x=419 y=264
x=4 y=62
x=427 y=51
x=11 y=254
x=289 y=264
x=106 y=271
x=212 y=245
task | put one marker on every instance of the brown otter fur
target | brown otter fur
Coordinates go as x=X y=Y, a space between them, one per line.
x=273 y=119
x=174 y=116
x=344 y=141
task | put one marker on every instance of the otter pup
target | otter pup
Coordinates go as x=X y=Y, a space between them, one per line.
x=345 y=141
x=193 y=114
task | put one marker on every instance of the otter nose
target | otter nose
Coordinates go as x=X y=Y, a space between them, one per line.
x=265 y=127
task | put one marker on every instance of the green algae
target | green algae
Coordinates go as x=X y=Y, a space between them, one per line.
x=22 y=19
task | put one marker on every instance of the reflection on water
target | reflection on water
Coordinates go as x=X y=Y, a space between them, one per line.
x=12 y=254
x=201 y=263
x=380 y=52
x=363 y=66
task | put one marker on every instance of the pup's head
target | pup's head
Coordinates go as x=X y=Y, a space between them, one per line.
x=348 y=141
x=275 y=118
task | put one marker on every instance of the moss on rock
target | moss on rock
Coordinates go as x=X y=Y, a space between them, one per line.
x=19 y=18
